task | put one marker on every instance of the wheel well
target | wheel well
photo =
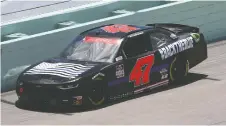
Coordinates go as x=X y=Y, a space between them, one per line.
x=182 y=56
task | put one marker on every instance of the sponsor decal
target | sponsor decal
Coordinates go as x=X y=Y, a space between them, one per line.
x=162 y=69
x=164 y=73
x=136 y=34
x=196 y=37
x=120 y=71
x=118 y=28
x=151 y=86
x=118 y=58
x=120 y=96
x=66 y=70
x=90 y=39
x=176 y=47
x=77 y=100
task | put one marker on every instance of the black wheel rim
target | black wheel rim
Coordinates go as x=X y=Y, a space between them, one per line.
x=96 y=96
x=178 y=70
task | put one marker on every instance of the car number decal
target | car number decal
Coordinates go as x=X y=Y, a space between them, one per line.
x=119 y=28
x=140 y=74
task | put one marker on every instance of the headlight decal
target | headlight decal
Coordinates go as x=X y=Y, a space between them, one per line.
x=70 y=86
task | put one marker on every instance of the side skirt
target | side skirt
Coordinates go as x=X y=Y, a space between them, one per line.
x=127 y=94
x=161 y=83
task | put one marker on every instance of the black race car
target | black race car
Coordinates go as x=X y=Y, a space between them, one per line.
x=111 y=62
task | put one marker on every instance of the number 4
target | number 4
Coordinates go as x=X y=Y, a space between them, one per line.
x=140 y=75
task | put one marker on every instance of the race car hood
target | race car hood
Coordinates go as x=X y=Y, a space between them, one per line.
x=60 y=71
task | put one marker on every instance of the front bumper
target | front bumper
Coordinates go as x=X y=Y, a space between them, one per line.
x=49 y=95
x=54 y=101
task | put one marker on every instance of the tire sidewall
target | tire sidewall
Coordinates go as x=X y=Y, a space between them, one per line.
x=178 y=69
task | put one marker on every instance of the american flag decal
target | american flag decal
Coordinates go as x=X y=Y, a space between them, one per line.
x=66 y=70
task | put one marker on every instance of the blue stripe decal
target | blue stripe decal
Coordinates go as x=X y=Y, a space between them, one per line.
x=118 y=81
x=158 y=68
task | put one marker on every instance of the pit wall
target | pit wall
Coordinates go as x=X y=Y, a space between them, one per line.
x=17 y=54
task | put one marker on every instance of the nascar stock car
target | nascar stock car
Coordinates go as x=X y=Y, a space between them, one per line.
x=113 y=61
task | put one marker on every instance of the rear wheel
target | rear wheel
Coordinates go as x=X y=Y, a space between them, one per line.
x=178 y=69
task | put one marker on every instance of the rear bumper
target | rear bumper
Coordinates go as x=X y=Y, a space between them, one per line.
x=199 y=53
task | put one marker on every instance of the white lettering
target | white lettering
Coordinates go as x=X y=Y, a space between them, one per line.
x=179 y=46
x=167 y=51
x=190 y=40
x=170 y=50
x=186 y=44
x=135 y=34
x=162 y=53
x=176 y=47
x=182 y=45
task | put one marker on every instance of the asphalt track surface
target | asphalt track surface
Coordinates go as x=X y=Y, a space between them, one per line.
x=201 y=99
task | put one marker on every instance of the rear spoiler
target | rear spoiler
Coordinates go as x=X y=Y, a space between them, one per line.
x=175 y=28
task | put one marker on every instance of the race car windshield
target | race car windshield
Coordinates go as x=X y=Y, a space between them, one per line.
x=93 y=49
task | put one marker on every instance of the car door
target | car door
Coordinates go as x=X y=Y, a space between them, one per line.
x=139 y=61
x=135 y=46
x=144 y=66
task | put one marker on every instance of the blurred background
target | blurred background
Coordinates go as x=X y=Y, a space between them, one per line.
x=14 y=10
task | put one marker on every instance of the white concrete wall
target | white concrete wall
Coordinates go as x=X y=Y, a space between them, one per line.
x=86 y=13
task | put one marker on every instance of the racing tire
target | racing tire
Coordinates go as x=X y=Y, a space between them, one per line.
x=97 y=95
x=178 y=70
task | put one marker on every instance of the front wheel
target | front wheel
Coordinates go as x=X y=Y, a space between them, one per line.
x=178 y=69
x=97 y=95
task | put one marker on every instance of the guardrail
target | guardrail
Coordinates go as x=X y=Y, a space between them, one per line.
x=209 y=16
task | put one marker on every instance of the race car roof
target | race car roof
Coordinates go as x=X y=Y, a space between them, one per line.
x=114 y=30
